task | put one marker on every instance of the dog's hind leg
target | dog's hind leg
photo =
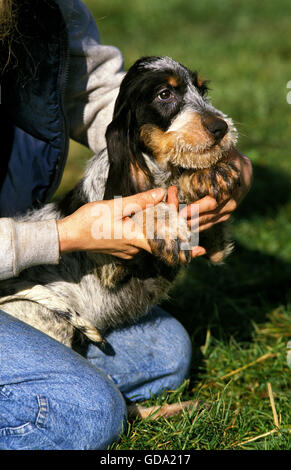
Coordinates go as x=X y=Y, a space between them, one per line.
x=40 y=318
x=52 y=309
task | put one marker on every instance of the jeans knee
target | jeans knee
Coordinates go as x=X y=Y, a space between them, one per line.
x=113 y=411
x=88 y=418
x=180 y=355
x=166 y=358
x=104 y=417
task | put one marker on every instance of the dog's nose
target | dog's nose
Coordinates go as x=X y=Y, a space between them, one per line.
x=215 y=125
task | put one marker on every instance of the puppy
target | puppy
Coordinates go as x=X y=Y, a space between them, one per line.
x=164 y=132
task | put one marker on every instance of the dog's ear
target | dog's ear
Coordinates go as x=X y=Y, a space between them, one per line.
x=200 y=83
x=119 y=155
x=124 y=152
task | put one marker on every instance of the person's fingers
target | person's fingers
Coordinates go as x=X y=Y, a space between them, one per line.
x=204 y=227
x=172 y=196
x=206 y=204
x=244 y=166
x=198 y=251
x=138 y=202
x=142 y=244
x=229 y=206
x=122 y=255
x=220 y=214
x=208 y=225
x=132 y=250
x=134 y=235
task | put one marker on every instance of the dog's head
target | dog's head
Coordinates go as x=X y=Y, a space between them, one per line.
x=162 y=111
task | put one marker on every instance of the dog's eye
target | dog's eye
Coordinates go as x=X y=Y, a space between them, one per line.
x=165 y=95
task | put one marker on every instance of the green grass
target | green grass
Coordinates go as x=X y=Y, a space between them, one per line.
x=244 y=308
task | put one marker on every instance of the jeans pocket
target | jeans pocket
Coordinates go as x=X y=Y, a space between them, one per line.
x=21 y=415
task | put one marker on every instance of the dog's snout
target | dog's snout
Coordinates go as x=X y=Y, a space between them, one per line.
x=215 y=125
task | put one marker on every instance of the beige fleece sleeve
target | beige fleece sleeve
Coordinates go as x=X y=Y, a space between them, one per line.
x=26 y=244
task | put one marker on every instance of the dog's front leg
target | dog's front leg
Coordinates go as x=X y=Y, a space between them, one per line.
x=167 y=233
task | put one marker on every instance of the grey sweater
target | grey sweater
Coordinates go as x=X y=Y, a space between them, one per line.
x=89 y=103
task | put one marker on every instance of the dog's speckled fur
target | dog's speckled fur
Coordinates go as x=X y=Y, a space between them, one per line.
x=164 y=132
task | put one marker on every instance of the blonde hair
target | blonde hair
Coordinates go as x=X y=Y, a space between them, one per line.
x=8 y=32
x=7 y=18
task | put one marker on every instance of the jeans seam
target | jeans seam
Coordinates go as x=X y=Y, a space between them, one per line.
x=5 y=392
x=40 y=421
x=43 y=411
x=17 y=431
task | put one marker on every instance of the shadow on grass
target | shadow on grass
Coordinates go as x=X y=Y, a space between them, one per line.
x=229 y=299
x=271 y=190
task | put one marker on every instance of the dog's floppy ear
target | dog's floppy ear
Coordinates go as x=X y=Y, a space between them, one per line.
x=123 y=142
x=119 y=154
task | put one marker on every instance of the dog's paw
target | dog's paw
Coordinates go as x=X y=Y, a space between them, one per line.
x=217 y=242
x=218 y=257
x=167 y=233
x=219 y=181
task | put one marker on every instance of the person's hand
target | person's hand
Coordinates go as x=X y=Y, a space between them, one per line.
x=172 y=199
x=106 y=226
x=210 y=212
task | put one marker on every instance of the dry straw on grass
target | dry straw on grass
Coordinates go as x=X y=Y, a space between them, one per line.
x=165 y=411
x=275 y=419
x=240 y=369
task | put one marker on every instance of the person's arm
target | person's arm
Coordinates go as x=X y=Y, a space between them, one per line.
x=25 y=244
x=106 y=227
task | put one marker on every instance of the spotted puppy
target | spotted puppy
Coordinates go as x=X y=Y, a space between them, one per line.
x=164 y=131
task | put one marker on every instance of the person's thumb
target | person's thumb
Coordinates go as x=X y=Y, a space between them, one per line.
x=138 y=202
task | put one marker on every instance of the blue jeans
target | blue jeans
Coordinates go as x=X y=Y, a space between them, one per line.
x=53 y=398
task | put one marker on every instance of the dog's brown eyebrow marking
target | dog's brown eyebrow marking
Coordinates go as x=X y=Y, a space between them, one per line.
x=173 y=81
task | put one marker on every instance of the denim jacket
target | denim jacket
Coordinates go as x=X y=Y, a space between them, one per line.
x=64 y=85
